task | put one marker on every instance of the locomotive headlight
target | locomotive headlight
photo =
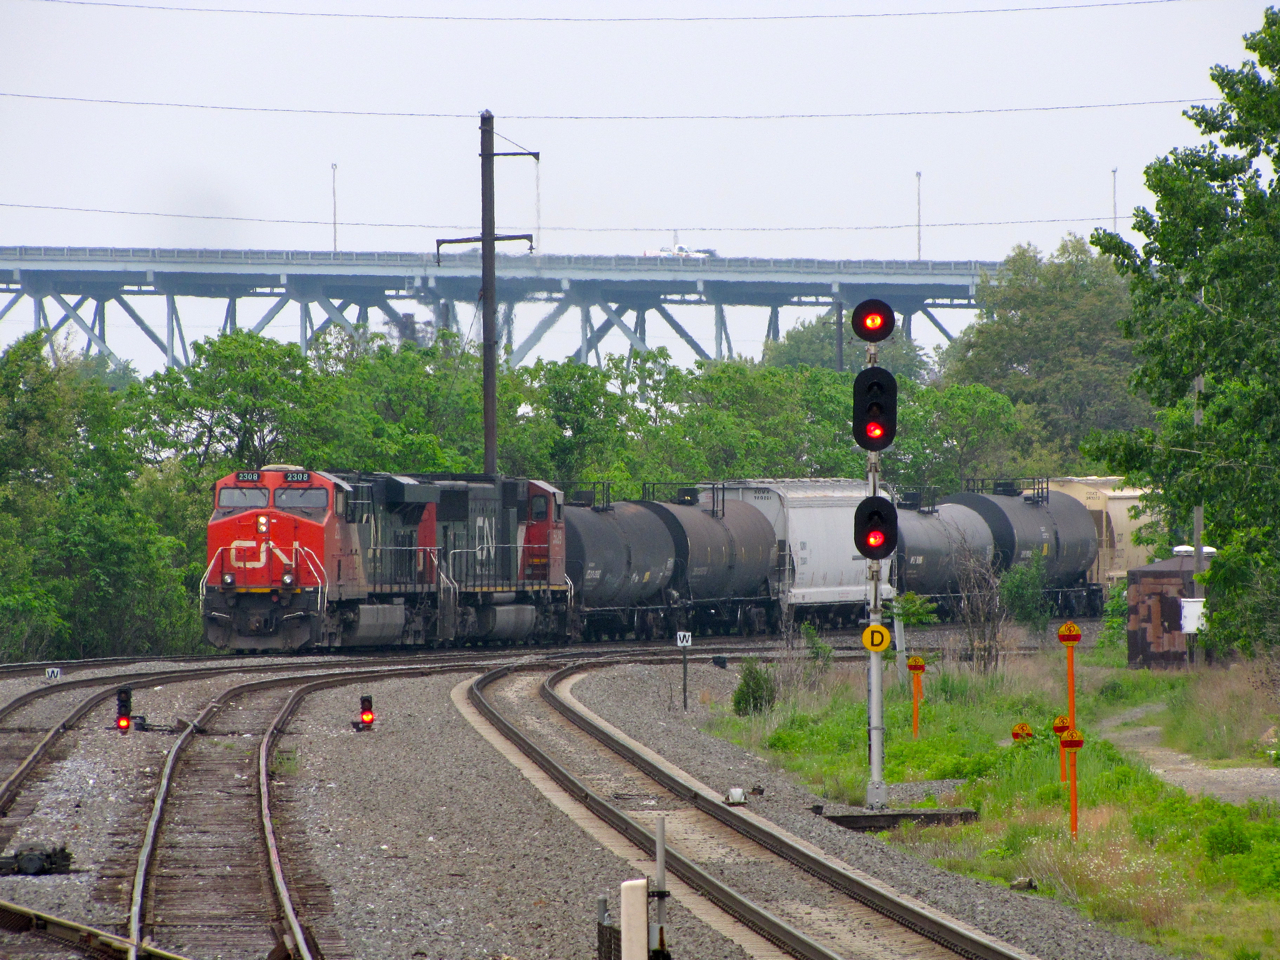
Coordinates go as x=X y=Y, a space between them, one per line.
x=287 y=579
x=228 y=579
x=262 y=523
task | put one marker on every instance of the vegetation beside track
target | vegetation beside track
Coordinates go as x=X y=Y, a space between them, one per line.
x=1193 y=875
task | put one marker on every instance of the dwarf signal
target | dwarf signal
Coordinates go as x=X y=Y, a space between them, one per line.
x=366 y=713
x=124 y=709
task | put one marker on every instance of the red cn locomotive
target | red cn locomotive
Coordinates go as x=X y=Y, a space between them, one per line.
x=304 y=559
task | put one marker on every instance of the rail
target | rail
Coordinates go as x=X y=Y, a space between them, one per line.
x=757 y=918
x=912 y=915
x=19 y=919
x=310 y=683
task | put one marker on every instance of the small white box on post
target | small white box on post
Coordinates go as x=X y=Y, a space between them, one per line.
x=1192 y=614
x=635 y=919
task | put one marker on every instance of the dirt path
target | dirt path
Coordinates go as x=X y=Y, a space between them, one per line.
x=1233 y=784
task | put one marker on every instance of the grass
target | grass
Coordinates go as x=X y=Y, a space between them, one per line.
x=284 y=763
x=1193 y=875
x=1223 y=715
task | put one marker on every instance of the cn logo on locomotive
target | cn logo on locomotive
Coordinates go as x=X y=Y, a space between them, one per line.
x=235 y=561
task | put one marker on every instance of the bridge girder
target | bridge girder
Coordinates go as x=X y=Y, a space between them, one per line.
x=334 y=283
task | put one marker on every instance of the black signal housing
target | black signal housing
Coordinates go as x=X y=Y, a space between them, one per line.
x=872 y=320
x=124 y=709
x=875 y=408
x=875 y=528
x=366 y=712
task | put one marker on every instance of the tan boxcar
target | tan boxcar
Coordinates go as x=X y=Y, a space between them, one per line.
x=1109 y=504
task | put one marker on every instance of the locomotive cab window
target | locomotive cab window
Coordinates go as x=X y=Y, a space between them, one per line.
x=539 y=511
x=242 y=498
x=302 y=498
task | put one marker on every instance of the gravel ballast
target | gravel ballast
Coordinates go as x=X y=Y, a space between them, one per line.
x=435 y=845
x=638 y=700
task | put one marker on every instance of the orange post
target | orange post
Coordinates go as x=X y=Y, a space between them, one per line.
x=1075 y=807
x=1061 y=725
x=916 y=666
x=1072 y=741
x=1069 y=635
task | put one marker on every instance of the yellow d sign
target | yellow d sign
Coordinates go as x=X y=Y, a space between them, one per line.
x=876 y=638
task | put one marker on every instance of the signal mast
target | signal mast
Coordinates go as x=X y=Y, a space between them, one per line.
x=875 y=523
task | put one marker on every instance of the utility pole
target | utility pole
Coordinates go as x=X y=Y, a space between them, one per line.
x=918 y=223
x=1115 y=220
x=489 y=283
x=334 y=168
x=489 y=294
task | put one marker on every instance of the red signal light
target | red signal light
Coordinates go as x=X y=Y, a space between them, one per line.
x=874 y=430
x=367 y=717
x=873 y=321
x=123 y=723
x=875 y=538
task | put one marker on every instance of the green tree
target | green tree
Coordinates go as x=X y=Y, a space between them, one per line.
x=1204 y=305
x=86 y=572
x=812 y=343
x=948 y=435
x=1050 y=338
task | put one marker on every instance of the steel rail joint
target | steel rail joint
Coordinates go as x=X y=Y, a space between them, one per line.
x=922 y=920
x=733 y=903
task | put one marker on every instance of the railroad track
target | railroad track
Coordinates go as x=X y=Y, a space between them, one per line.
x=739 y=862
x=23 y=747
x=212 y=793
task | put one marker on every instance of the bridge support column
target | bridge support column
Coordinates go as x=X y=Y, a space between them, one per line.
x=98 y=324
x=906 y=323
x=229 y=318
x=304 y=327
x=720 y=332
x=507 y=324
x=584 y=311
x=771 y=331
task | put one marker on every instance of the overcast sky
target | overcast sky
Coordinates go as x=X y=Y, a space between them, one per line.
x=702 y=177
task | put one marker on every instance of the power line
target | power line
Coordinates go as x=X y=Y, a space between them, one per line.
x=662 y=230
x=745 y=18
x=406 y=114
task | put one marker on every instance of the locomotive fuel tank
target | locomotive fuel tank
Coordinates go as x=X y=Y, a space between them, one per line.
x=617 y=557
x=1058 y=529
x=718 y=557
x=931 y=547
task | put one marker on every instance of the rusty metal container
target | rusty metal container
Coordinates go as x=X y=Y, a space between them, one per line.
x=1155 y=612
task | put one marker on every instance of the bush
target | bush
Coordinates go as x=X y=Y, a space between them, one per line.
x=819 y=652
x=913 y=610
x=1022 y=593
x=757 y=689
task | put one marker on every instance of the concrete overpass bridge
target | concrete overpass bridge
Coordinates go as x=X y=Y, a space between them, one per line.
x=74 y=287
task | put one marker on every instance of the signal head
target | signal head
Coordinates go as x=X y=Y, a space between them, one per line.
x=875 y=408
x=873 y=320
x=875 y=528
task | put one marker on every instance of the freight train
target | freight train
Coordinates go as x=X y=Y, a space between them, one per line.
x=301 y=559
